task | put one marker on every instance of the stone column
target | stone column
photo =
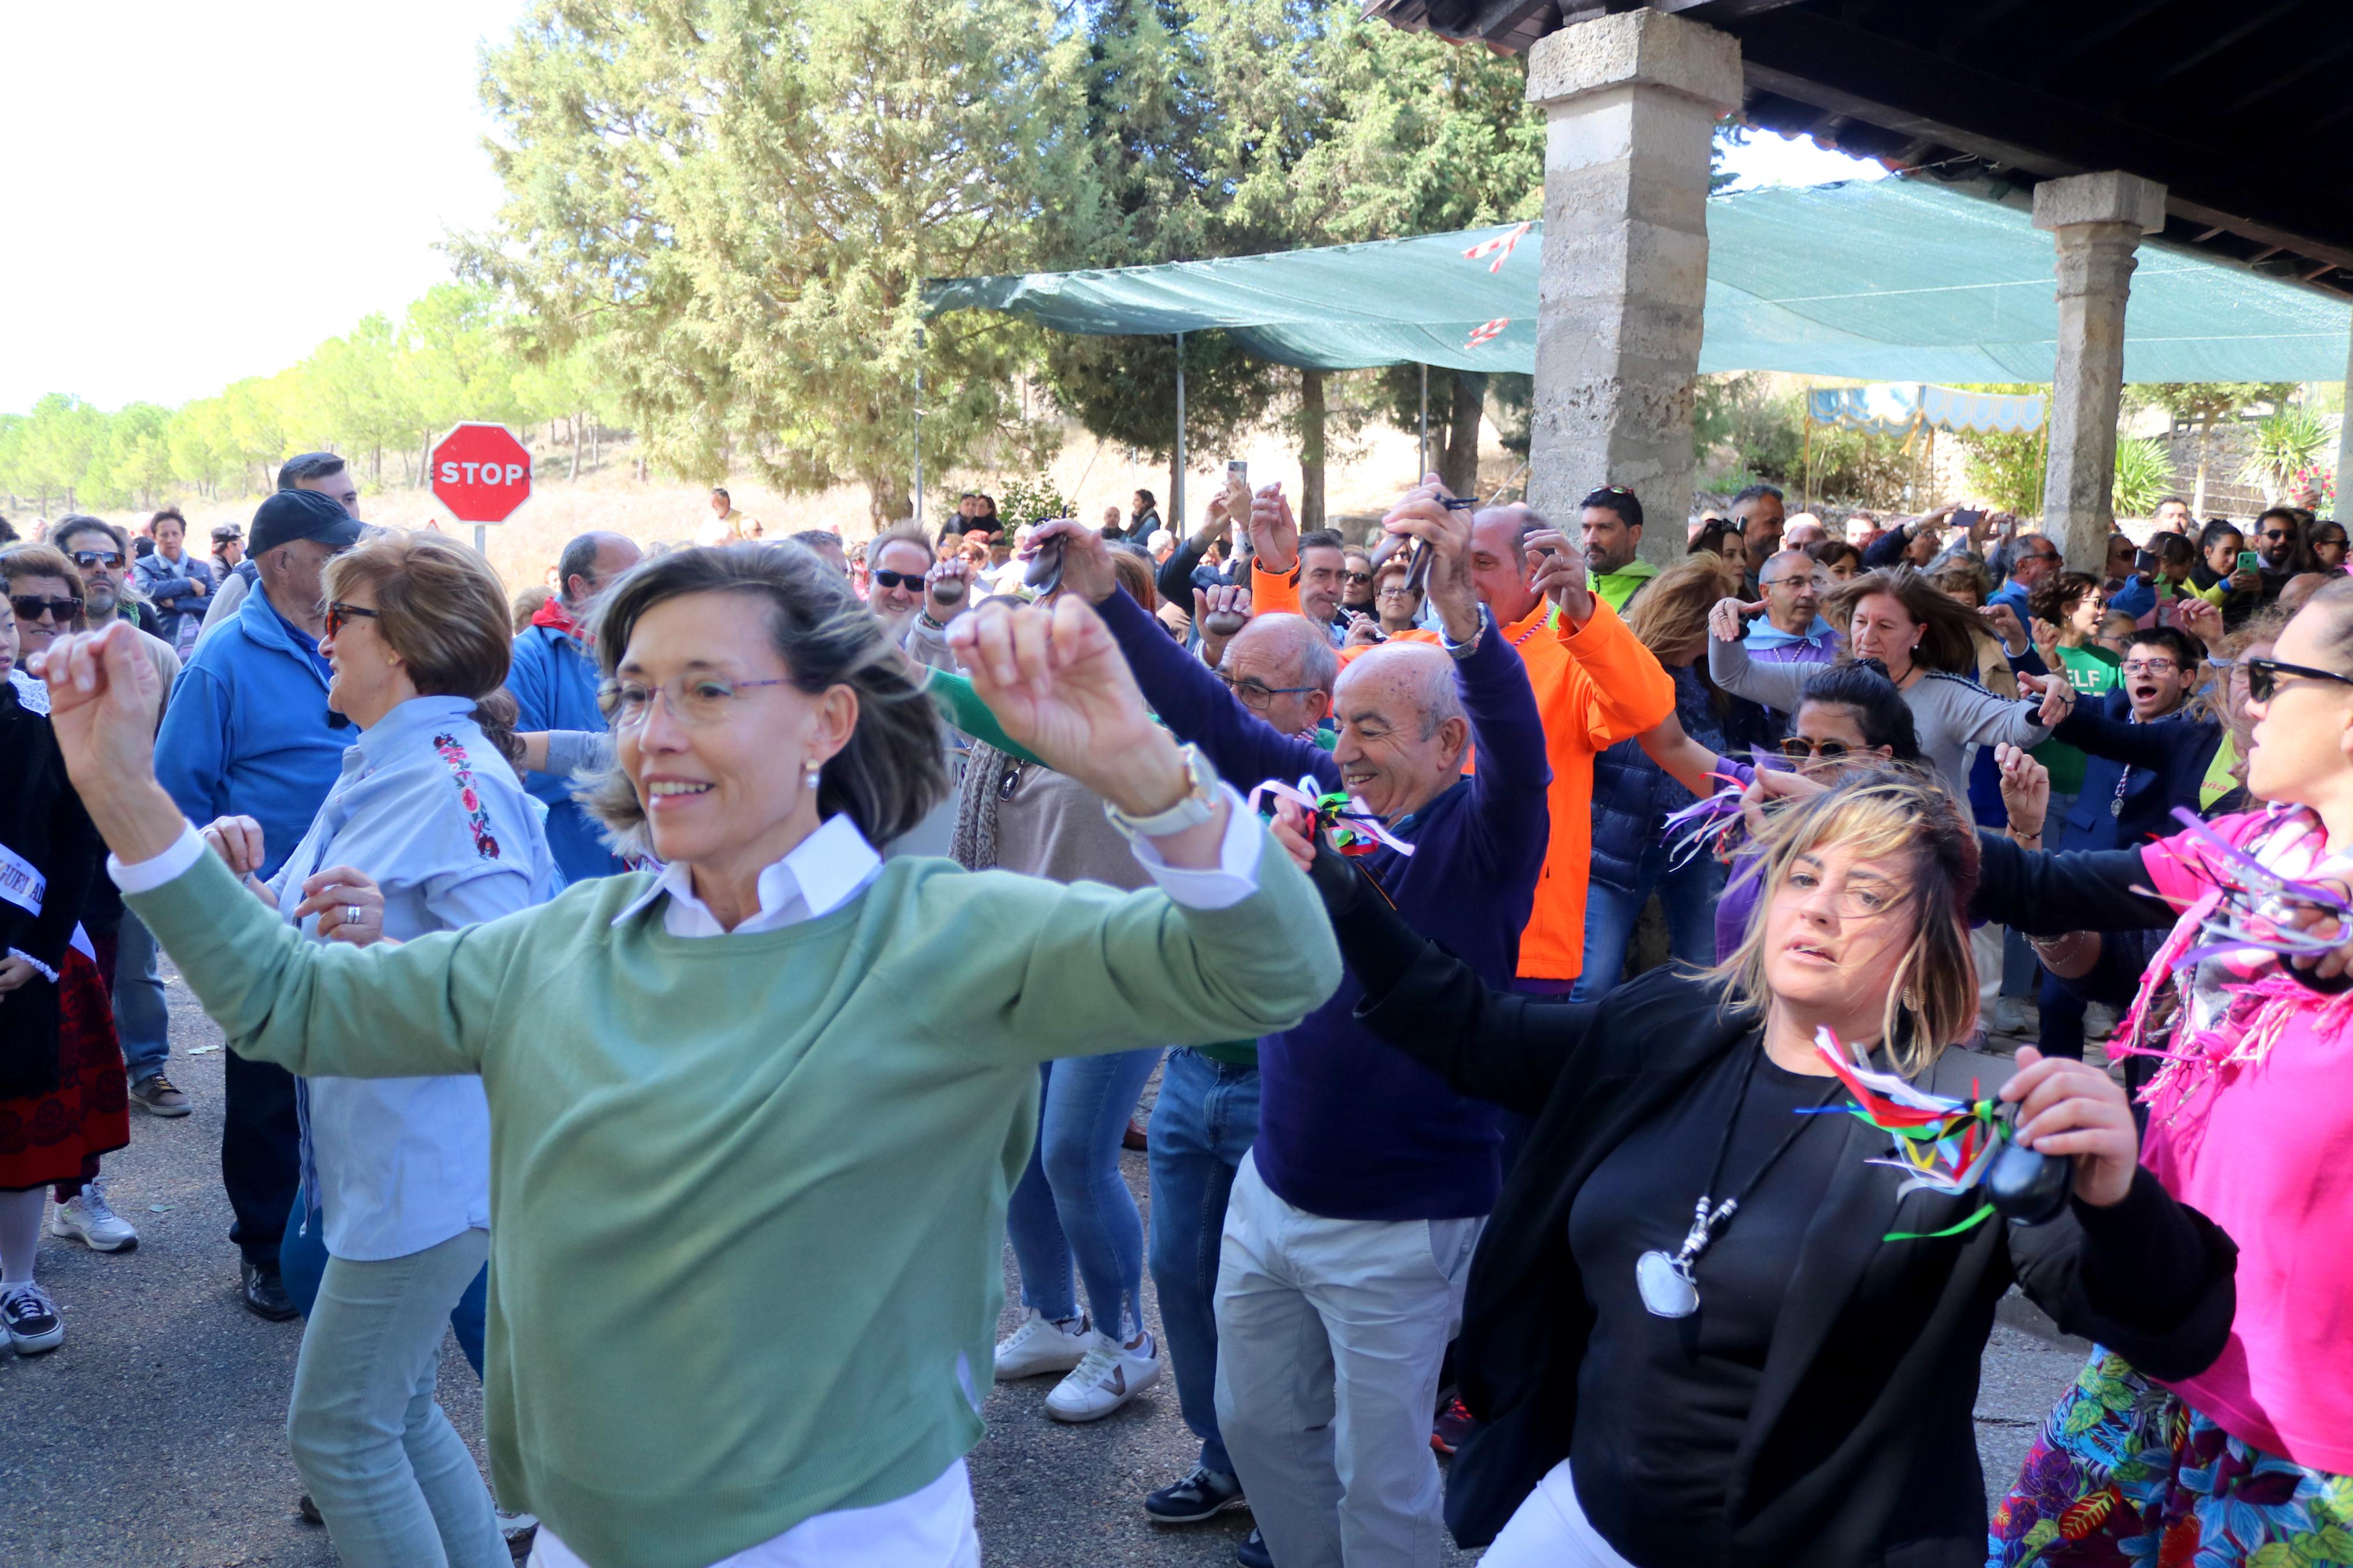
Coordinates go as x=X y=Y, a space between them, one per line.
x=1632 y=100
x=2097 y=221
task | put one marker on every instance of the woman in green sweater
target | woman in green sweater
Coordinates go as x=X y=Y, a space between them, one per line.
x=848 y=1046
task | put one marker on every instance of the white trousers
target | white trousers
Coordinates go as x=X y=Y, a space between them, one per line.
x=1330 y=1334
x=1549 y=1530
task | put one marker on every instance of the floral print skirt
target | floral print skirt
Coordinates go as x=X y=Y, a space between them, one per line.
x=2125 y=1473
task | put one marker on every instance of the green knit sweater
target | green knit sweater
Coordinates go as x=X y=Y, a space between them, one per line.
x=748 y=1192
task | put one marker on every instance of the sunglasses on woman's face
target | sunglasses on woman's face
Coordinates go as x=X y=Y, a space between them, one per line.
x=898 y=579
x=340 y=614
x=2265 y=674
x=33 y=607
x=1799 y=748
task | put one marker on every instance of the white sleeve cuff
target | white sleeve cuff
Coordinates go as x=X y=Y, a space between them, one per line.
x=1236 y=875
x=170 y=866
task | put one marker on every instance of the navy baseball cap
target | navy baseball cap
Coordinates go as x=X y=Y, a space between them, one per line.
x=290 y=515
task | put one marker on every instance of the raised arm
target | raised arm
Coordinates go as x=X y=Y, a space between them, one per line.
x=1196 y=706
x=2135 y=745
x=2051 y=895
x=1778 y=686
x=1688 y=763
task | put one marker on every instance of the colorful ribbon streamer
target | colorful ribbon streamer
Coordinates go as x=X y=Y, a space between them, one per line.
x=1354 y=829
x=1942 y=1145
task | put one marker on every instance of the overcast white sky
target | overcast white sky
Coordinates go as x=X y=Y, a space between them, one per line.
x=197 y=192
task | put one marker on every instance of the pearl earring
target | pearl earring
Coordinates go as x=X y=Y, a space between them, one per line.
x=812 y=773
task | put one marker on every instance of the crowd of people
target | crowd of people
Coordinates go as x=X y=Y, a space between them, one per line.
x=872 y=888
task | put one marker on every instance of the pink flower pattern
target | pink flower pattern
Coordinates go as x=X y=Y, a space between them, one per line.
x=477 y=821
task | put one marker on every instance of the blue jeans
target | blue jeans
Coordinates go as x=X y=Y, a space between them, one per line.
x=395 y=1481
x=1688 y=897
x=1205 y=1122
x=139 y=1013
x=302 y=1262
x=1072 y=1203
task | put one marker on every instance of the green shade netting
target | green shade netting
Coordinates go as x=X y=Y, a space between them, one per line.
x=1889 y=279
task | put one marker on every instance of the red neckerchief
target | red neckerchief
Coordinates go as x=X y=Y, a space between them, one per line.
x=554 y=614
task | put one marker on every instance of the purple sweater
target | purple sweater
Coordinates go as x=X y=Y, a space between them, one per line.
x=1349 y=1128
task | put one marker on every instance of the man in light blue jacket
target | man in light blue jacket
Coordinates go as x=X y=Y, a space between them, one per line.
x=554 y=681
x=248 y=734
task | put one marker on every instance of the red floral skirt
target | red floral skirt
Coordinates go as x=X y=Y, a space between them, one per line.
x=51 y=1137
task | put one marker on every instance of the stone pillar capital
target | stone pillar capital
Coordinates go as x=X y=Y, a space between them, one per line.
x=2111 y=196
x=1636 y=48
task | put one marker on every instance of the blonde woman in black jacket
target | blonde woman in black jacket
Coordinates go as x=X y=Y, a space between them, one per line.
x=1790 y=1381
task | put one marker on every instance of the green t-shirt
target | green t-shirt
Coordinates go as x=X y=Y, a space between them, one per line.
x=2093 y=672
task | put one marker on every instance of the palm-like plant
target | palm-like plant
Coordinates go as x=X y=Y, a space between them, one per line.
x=2144 y=478
x=2290 y=441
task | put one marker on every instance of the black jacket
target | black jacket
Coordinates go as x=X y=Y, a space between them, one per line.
x=2161 y=764
x=42 y=822
x=1860 y=1450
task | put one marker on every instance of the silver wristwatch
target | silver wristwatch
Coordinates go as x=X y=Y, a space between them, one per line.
x=1198 y=804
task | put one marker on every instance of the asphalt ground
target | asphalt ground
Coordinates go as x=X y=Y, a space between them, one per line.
x=154 y=1437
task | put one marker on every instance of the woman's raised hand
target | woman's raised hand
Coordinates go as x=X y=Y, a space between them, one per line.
x=1057 y=681
x=2025 y=789
x=2068 y=1107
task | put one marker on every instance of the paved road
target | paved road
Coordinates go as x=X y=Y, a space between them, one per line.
x=154 y=1438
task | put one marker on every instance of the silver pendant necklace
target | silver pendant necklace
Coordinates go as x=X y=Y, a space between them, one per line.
x=1665 y=1279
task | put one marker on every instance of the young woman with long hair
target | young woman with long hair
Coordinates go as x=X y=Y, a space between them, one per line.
x=1783 y=1371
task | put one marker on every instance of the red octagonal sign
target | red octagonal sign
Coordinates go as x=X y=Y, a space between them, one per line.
x=481 y=473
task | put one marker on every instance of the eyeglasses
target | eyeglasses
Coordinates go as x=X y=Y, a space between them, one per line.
x=1255 y=694
x=2263 y=675
x=32 y=607
x=2275 y=534
x=695 y=700
x=898 y=579
x=88 y=558
x=1794 y=579
x=1799 y=748
x=2150 y=667
x=1358 y=576
x=340 y=614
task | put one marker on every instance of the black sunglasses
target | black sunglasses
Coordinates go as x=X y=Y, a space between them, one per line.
x=1799 y=748
x=898 y=579
x=2263 y=675
x=340 y=614
x=32 y=607
x=98 y=558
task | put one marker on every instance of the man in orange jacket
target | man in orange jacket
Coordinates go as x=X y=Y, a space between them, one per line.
x=1594 y=686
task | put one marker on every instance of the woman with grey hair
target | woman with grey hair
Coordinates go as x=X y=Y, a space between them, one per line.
x=848 y=1046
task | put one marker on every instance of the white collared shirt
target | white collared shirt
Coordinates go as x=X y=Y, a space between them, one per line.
x=823 y=872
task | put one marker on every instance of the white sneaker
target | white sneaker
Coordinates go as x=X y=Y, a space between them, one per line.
x=1041 y=1345
x=88 y=1218
x=1109 y=1376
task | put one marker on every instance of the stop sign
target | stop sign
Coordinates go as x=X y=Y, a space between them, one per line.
x=480 y=472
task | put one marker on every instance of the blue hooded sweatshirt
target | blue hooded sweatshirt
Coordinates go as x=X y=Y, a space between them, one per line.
x=249 y=731
x=553 y=682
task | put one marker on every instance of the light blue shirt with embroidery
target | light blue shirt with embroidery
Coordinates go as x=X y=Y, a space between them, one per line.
x=428 y=808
